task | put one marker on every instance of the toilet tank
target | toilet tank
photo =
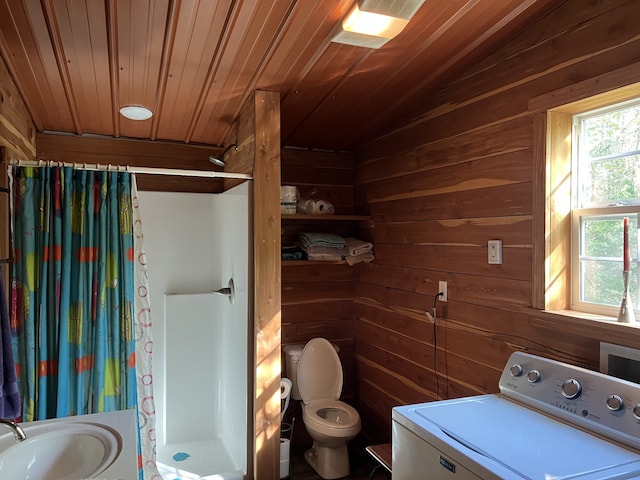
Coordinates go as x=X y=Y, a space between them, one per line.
x=292 y=354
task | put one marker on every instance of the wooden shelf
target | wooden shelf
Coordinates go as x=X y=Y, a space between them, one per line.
x=293 y=263
x=344 y=229
x=301 y=216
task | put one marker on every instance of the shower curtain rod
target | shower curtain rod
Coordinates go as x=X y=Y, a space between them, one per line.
x=130 y=169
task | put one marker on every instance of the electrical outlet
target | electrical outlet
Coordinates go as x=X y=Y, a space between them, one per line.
x=495 y=252
x=442 y=287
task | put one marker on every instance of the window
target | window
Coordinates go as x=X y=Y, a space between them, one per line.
x=586 y=181
x=606 y=189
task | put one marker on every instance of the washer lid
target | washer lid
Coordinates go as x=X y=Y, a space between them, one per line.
x=319 y=371
x=499 y=433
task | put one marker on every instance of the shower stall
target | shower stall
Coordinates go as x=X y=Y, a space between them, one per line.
x=198 y=263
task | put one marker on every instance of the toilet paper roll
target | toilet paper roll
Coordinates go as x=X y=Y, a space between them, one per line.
x=322 y=207
x=285 y=446
x=306 y=206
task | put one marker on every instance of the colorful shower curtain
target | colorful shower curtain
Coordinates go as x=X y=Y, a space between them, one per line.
x=76 y=280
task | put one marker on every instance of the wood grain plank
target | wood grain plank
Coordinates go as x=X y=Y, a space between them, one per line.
x=266 y=283
x=510 y=136
x=492 y=201
x=456 y=259
x=316 y=272
x=476 y=174
x=513 y=231
x=17 y=132
x=558 y=191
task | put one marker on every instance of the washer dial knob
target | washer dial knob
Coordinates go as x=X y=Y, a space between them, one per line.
x=534 y=376
x=636 y=411
x=571 y=389
x=516 y=370
x=615 y=403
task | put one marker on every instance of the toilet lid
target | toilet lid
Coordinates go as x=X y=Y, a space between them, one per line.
x=319 y=371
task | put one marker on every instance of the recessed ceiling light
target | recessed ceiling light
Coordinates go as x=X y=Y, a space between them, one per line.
x=136 y=112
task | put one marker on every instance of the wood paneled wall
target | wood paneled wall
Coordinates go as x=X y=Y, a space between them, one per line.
x=17 y=141
x=17 y=132
x=438 y=187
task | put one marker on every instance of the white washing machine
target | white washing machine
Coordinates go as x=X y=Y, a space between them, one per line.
x=550 y=421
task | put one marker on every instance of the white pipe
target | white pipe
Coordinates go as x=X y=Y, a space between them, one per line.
x=130 y=169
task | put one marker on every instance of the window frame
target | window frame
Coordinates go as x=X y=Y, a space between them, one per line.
x=552 y=129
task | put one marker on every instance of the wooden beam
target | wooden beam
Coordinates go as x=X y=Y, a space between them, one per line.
x=264 y=115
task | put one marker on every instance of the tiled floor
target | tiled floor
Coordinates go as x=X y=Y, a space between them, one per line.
x=362 y=465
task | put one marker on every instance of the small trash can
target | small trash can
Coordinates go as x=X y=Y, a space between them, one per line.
x=286 y=430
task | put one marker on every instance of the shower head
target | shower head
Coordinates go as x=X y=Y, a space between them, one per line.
x=219 y=161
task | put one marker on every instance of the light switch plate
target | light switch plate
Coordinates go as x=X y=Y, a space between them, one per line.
x=495 y=252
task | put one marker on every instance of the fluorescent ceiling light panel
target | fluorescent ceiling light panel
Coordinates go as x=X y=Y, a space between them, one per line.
x=372 y=23
x=405 y=9
x=135 y=112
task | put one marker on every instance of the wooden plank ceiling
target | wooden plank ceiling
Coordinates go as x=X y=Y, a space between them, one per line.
x=194 y=63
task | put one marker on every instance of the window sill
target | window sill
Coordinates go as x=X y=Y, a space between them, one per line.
x=591 y=316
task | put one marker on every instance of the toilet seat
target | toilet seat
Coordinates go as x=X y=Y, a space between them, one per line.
x=348 y=418
x=319 y=372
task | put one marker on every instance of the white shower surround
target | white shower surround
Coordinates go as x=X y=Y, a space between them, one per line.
x=195 y=243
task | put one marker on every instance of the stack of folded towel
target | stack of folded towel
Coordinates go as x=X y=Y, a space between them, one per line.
x=292 y=252
x=358 y=251
x=322 y=246
x=332 y=247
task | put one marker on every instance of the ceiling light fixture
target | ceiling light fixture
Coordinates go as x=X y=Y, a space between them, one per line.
x=372 y=23
x=136 y=112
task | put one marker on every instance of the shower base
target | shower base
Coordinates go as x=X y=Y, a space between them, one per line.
x=207 y=460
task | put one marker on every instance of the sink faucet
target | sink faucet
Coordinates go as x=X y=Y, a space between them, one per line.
x=15 y=428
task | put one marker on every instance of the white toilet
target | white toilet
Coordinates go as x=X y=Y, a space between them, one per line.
x=330 y=422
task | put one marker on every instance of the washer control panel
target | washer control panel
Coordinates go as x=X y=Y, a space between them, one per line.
x=601 y=403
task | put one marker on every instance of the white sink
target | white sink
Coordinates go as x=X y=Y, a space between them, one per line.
x=60 y=451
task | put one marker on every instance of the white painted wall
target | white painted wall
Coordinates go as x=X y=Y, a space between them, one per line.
x=194 y=244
